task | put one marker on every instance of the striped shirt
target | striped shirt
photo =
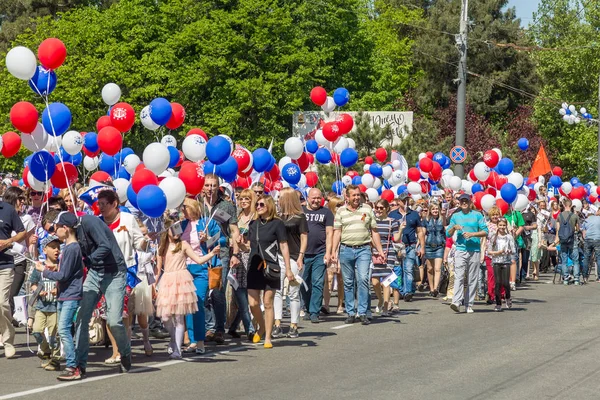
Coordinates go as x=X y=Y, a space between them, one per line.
x=472 y=222
x=387 y=228
x=355 y=225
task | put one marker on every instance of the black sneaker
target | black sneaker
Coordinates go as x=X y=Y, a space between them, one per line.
x=325 y=310
x=277 y=332
x=408 y=297
x=70 y=374
x=234 y=334
x=364 y=320
x=82 y=372
x=125 y=366
x=350 y=320
x=306 y=317
x=293 y=332
x=314 y=318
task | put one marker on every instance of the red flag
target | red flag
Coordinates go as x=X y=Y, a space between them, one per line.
x=541 y=165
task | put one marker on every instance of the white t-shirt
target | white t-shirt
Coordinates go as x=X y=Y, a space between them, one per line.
x=29 y=226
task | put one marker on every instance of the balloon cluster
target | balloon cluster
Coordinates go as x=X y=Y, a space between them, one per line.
x=570 y=115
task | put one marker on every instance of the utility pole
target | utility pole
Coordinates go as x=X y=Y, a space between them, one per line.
x=461 y=98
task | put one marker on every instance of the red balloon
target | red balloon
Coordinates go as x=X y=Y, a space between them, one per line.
x=181 y=159
x=303 y=162
x=141 y=166
x=122 y=117
x=110 y=140
x=501 y=181
x=243 y=159
x=11 y=144
x=318 y=95
x=381 y=154
x=267 y=182
x=311 y=158
x=598 y=190
x=502 y=205
x=24 y=176
x=311 y=179
x=425 y=164
x=197 y=131
x=491 y=191
x=490 y=158
x=477 y=199
x=331 y=131
x=592 y=198
x=246 y=173
x=362 y=187
x=89 y=153
x=335 y=158
x=492 y=179
x=532 y=195
x=414 y=174
x=352 y=174
x=577 y=193
x=277 y=186
x=143 y=178
x=345 y=123
x=368 y=160
x=52 y=53
x=243 y=182
x=387 y=195
x=557 y=171
x=425 y=186
x=472 y=175
x=15 y=182
x=24 y=116
x=429 y=155
x=64 y=176
x=274 y=173
x=177 y=116
x=100 y=176
x=192 y=176
x=103 y=122
x=436 y=172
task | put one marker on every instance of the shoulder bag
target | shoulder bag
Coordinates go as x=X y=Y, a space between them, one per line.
x=271 y=271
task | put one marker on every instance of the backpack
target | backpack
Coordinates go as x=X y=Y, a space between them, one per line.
x=566 y=233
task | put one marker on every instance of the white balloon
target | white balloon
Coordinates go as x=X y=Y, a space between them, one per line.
x=377 y=183
x=524 y=190
x=447 y=172
x=2 y=141
x=516 y=179
x=421 y=156
x=537 y=187
x=72 y=142
x=577 y=205
x=340 y=144
x=35 y=184
x=174 y=190
x=372 y=195
x=396 y=164
x=169 y=140
x=397 y=177
x=567 y=187
x=352 y=144
x=54 y=143
x=156 y=157
x=562 y=111
x=293 y=148
x=21 y=63
x=91 y=163
x=366 y=168
x=329 y=105
x=582 y=110
x=121 y=185
x=111 y=93
x=320 y=138
x=36 y=140
x=368 y=180
x=131 y=162
x=482 y=171
x=565 y=105
x=417 y=197
x=488 y=201
x=413 y=188
x=455 y=183
x=283 y=162
x=572 y=108
x=346 y=180
x=167 y=173
x=497 y=150
x=194 y=148
x=520 y=203
x=387 y=171
x=231 y=144
x=542 y=180
x=566 y=118
x=302 y=182
x=146 y=120
x=466 y=186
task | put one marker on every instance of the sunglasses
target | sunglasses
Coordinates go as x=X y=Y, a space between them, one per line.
x=380 y=208
x=35 y=193
x=51 y=229
x=258 y=192
x=260 y=205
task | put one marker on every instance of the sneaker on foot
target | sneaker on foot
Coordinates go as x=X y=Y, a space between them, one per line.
x=175 y=356
x=350 y=320
x=565 y=282
x=364 y=320
x=497 y=307
x=470 y=310
x=314 y=318
x=9 y=351
x=513 y=286
x=508 y=303
x=125 y=366
x=70 y=374
x=53 y=365
x=455 y=307
x=408 y=297
x=219 y=339
x=577 y=283
x=306 y=317
x=276 y=333
x=293 y=332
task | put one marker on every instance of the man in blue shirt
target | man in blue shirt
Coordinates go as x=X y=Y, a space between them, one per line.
x=591 y=236
x=469 y=227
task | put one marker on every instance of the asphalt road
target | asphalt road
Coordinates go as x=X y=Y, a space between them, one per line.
x=546 y=347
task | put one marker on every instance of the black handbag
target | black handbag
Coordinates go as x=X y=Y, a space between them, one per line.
x=444 y=279
x=271 y=271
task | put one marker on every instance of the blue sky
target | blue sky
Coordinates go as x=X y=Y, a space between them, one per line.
x=524 y=8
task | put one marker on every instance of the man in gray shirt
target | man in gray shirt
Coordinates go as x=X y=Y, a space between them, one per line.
x=591 y=235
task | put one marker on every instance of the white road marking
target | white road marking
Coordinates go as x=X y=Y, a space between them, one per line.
x=333 y=327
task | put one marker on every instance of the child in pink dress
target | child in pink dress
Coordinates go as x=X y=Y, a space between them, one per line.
x=176 y=290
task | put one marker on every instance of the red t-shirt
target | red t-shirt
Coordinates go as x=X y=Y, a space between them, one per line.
x=115 y=224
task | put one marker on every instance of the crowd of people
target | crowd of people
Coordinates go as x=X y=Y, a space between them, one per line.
x=244 y=262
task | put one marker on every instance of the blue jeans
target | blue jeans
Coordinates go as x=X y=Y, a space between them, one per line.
x=217 y=310
x=195 y=323
x=243 y=312
x=355 y=264
x=573 y=254
x=314 y=276
x=589 y=247
x=408 y=270
x=112 y=285
x=66 y=312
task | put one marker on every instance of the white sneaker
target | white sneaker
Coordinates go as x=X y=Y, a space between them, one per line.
x=513 y=286
x=455 y=307
x=470 y=310
x=175 y=356
x=509 y=303
x=378 y=309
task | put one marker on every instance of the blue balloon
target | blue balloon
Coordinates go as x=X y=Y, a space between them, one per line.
x=160 y=111
x=43 y=81
x=348 y=157
x=27 y=160
x=107 y=164
x=523 y=144
x=65 y=156
x=447 y=163
x=122 y=173
x=505 y=167
x=90 y=141
x=323 y=156
x=55 y=191
x=126 y=151
x=380 y=190
x=56 y=119
x=152 y=201
x=588 y=188
x=21 y=183
x=76 y=159
x=218 y=149
x=229 y=169
x=356 y=180
x=341 y=97
x=173 y=156
x=272 y=162
x=386 y=184
x=312 y=146
x=262 y=159
x=575 y=181
x=376 y=170
x=476 y=188
x=42 y=165
x=291 y=173
x=337 y=187
x=132 y=196
x=508 y=192
x=555 y=181
x=402 y=189
x=439 y=158
x=210 y=168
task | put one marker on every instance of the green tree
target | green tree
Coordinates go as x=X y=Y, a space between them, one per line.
x=367 y=137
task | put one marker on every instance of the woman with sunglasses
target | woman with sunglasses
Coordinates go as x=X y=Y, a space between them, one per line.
x=296 y=229
x=383 y=265
x=435 y=242
x=267 y=238
x=35 y=209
